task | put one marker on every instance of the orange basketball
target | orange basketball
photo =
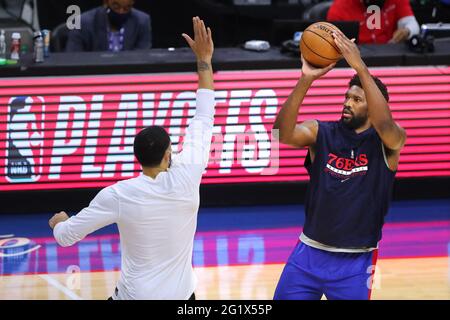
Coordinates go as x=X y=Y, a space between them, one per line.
x=317 y=44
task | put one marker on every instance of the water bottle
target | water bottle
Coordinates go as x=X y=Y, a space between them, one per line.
x=2 y=45
x=38 y=47
x=15 y=46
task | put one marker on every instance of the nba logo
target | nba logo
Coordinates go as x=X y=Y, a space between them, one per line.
x=25 y=139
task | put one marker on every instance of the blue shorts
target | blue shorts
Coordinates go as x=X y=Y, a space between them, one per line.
x=311 y=272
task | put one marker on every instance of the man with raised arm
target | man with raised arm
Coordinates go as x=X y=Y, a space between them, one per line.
x=156 y=212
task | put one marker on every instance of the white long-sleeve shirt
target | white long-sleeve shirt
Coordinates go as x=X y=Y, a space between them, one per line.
x=157 y=218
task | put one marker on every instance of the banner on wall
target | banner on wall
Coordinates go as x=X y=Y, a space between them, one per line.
x=78 y=132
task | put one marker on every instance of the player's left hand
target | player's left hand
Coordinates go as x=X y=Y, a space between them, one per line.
x=57 y=218
x=400 y=35
x=202 y=45
x=312 y=72
x=349 y=50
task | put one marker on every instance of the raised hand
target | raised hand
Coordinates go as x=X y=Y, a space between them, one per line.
x=349 y=50
x=312 y=72
x=202 y=45
x=57 y=218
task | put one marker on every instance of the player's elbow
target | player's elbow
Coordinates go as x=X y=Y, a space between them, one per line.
x=62 y=241
x=62 y=237
x=279 y=134
x=393 y=136
x=398 y=142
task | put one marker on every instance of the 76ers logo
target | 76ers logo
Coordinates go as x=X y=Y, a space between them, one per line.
x=346 y=167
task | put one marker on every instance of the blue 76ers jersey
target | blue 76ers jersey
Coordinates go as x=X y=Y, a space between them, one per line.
x=350 y=187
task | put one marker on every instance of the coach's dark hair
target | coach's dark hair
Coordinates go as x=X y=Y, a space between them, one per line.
x=355 y=81
x=150 y=145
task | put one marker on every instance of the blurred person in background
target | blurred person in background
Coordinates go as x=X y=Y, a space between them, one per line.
x=114 y=26
x=397 y=21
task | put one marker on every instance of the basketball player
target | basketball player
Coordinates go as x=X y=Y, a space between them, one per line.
x=352 y=164
x=156 y=212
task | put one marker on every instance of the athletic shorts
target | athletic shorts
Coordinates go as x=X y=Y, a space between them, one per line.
x=309 y=273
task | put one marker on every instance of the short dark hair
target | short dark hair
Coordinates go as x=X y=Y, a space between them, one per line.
x=150 y=145
x=355 y=81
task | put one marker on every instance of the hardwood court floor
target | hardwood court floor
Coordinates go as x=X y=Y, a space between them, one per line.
x=412 y=278
x=238 y=253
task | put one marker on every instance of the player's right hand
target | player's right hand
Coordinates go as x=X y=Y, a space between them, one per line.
x=202 y=45
x=312 y=72
x=57 y=218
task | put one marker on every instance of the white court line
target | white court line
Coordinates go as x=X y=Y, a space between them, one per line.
x=56 y=284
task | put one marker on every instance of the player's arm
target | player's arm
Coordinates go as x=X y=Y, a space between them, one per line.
x=197 y=141
x=203 y=48
x=285 y=127
x=102 y=211
x=392 y=135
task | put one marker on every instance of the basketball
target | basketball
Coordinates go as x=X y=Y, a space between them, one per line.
x=317 y=44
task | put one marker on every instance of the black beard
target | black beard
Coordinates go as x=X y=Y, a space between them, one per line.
x=354 y=122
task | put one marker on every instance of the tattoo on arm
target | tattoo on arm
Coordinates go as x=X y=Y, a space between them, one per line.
x=202 y=66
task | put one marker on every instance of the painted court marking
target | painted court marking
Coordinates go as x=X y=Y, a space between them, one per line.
x=56 y=284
